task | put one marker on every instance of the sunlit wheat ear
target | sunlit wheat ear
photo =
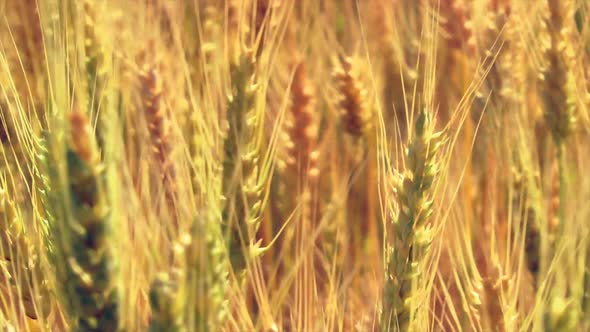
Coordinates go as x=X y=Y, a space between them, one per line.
x=355 y=115
x=20 y=273
x=81 y=215
x=411 y=226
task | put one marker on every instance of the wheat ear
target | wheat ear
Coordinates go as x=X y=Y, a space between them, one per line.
x=81 y=219
x=412 y=228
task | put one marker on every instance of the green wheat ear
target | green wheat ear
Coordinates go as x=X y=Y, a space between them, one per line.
x=242 y=176
x=81 y=218
x=412 y=230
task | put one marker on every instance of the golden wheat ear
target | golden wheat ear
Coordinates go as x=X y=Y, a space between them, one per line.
x=556 y=78
x=355 y=115
x=159 y=129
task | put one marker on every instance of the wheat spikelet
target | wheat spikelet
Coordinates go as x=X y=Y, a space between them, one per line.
x=412 y=227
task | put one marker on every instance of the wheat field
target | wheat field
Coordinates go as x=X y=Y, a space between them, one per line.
x=294 y=165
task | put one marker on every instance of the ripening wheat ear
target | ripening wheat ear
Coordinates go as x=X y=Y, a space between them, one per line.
x=159 y=129
x=301 y=176
x=355 y=114
x=357 y=120
x=559 y=101
x=411 y=226
x=301 y=160
x=81 y=219
x=556 y=77
x=557 y=85
x=302 y=129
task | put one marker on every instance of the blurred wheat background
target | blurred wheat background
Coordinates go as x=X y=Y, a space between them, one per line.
x=294 y=165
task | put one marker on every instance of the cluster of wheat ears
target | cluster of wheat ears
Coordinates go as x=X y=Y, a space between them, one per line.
x=294 y=165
